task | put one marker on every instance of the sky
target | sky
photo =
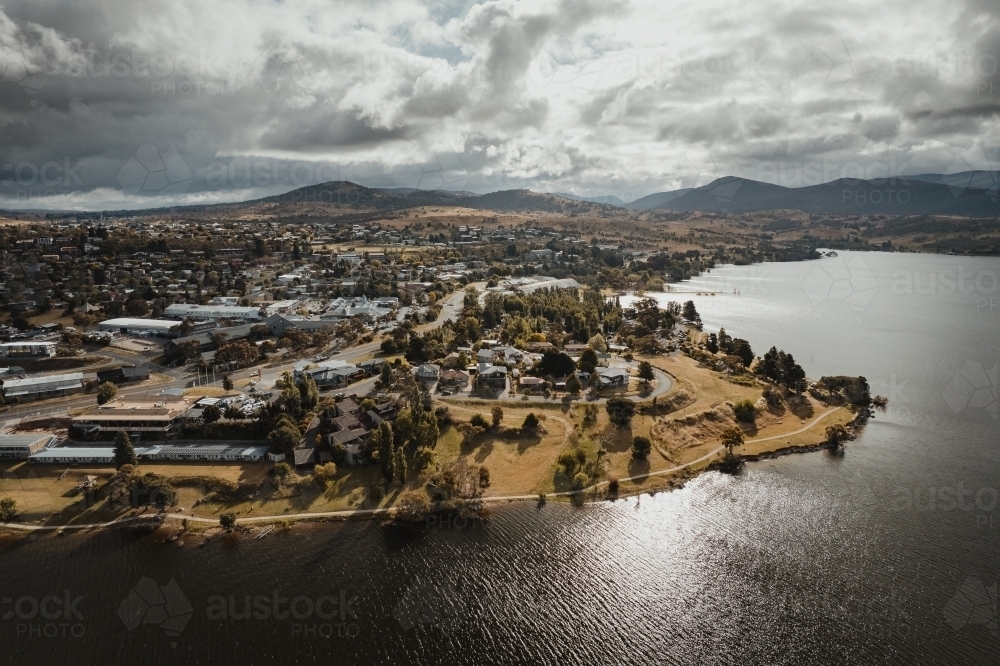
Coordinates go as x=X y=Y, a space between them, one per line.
x=111 y=104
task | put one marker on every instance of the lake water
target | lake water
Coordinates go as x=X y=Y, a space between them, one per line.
x=887 y=554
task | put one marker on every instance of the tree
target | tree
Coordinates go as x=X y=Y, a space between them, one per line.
x=383 y=449
x=620 y=411
x=324 y=474
x=598 y=343
x=106 y=392
x=385 y=375
x=741 y=348
x=641 y=447
x=412 y=507
x=836 y=435
x=234 y=413
x=124 y=451
x=646 y=371
x=284 y=437
x=588 y=360
x=712 y=343
x=497 y=413
x=555 y=364
x=227 y=521
x=731 y=438
x=227 y=383
x=211 y=414
x=573 y=384
x=690 y=312
x=8 y=509
x=745 y=411
x=399 y=465
x=530 y=421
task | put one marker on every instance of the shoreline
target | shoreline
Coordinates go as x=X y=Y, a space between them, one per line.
x=158 y=520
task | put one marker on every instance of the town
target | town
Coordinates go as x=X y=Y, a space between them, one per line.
x=387 y=365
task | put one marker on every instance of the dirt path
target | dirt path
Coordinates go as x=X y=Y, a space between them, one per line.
x=352 y=513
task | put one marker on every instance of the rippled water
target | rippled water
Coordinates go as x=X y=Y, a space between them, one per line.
x=887 y=554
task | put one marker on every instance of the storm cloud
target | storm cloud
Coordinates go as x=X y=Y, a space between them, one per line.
x=113 y=104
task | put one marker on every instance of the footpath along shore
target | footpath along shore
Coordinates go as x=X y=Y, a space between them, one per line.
x=388 y=511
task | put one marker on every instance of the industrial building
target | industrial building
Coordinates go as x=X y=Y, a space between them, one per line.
x=27 y=349
x=202 y=312
x=24 y=445
x=129 y=325
x=106 y=454
x=35 y=388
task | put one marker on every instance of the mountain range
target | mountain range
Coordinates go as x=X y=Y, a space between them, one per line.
x=964 y=194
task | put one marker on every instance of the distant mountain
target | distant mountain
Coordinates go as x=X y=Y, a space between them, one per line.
x=608 y=199
x=656 y=200
x=909 y=196
x=983 y=180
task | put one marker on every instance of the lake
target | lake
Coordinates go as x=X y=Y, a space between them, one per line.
x=885 y=554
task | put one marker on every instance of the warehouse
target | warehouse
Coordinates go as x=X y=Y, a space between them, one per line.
x=25 y=445
x=35 y=388
x=27 y=349
x=202 y=312
x=129 y=325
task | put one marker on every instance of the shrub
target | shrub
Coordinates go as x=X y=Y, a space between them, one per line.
x=641 y=447
x=613 y=485
x=744 y=411
x=580 y=481
x=324 y=474
x=479 y=421
x=8 y=509
x=620 y=411
x=227 y=521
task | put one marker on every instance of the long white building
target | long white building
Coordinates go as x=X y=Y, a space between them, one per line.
x=200 y=312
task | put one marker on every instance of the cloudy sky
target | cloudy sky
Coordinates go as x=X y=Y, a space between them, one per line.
x=115 y=103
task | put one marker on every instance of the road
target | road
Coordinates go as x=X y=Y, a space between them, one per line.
x=451 y=306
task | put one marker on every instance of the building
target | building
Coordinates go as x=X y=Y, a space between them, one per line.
x=158 y=417
x=123 y=374
x=35 y=388
x=203 y=312
x=27 y=349
x=25 y=445
x=278 y=324
x=612 y=376
x=134 y=326
x=428 y=372
x=211 y=452
x=492 y=377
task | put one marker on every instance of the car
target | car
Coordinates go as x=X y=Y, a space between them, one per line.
x=446 y=392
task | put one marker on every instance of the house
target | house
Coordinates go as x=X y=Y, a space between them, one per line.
x=347 y=406
x=492 y=377
x=574 y=349
x=485 y=355
x=610 y=377
x=510 y=355
x=531 y=383
x=428 y=372
x=454 y=378
x=304 y=456
x=539 y=347
x=337 y=377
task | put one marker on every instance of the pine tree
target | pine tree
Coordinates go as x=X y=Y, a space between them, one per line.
x=124 y=451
